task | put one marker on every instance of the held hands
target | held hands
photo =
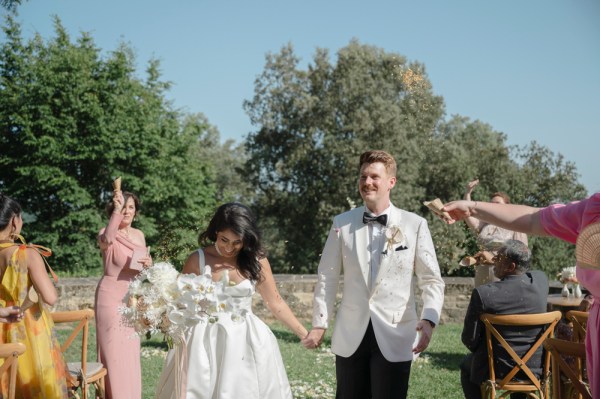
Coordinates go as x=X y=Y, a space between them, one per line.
x=314 y=338
x=11 y=314
x=425 y=331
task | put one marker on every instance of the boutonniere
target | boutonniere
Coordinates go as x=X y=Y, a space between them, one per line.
x=393 y=236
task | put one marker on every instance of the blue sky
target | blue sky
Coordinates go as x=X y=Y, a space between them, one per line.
x=531 y=69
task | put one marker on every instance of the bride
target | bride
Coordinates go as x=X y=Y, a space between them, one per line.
x=229 y=359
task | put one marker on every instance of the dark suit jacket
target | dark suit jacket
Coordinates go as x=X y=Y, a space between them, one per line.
x=526 y=293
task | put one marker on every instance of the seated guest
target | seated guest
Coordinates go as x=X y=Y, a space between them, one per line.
x=519 y=291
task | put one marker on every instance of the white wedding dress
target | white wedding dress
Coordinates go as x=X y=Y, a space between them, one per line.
x=226 y=359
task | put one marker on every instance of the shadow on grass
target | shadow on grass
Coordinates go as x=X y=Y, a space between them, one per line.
x=447 y=360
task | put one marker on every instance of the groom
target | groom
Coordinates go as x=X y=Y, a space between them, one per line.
x=382 y=251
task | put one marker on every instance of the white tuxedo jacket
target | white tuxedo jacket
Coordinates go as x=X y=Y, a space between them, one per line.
x=390 y=303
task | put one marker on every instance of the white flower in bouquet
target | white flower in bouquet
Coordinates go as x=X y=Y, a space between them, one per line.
x=161 y=300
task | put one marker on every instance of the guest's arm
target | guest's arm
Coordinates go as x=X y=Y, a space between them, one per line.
x=39 y=276
x=523 y=218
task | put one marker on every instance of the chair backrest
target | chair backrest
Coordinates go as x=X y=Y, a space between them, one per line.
x=10 y=353
x=547 y=320
x=579 y=320
x=559 y=349
x=82 y=318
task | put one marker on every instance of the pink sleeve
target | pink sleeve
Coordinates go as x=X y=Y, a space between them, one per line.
x=566 y=221
x=109 y=234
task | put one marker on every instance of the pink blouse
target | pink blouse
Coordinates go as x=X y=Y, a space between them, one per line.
x=566 y=222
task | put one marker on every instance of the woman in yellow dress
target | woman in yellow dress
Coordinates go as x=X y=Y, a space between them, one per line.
x=42 y=370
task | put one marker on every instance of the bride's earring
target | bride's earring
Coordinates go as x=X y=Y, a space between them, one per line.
x=12 y=234
x=217 y=248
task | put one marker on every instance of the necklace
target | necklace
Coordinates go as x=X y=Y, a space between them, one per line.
x=125 y=231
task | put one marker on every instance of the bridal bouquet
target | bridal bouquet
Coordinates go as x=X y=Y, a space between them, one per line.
x=160 y=300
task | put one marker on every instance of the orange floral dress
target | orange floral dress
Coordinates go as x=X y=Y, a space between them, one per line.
x=42 y=370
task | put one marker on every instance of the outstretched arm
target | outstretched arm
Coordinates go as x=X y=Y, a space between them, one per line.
x=275 y=303
x=522 y=218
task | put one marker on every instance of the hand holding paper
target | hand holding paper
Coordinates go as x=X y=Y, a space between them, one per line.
x=436 y=207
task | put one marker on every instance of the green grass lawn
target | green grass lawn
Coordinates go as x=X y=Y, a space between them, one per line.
x=312 y=373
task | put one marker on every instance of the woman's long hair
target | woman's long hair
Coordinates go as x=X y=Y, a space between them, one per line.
x=8 y=208
x=241 y=221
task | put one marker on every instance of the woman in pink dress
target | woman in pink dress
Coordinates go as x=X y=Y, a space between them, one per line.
x=564 y=221
x=118 y=345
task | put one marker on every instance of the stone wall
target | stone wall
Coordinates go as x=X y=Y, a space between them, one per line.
x=78 y=293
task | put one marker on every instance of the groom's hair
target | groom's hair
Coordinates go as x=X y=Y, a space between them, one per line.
x=373 y=156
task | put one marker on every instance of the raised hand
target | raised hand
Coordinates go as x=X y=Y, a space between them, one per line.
x=118 y=201
x=469 y=189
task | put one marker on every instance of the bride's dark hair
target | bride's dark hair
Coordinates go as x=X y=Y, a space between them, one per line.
x=239 y=219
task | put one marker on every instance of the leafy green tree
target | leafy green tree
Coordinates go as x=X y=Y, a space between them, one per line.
x=225 y=160
x=11 y=5
x=313 y=123
x=312 y=126
x=71 y=121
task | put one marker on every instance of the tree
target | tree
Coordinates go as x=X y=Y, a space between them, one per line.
x=71 y=121
x=312 y=126
x=225 y=160
x=11 y=5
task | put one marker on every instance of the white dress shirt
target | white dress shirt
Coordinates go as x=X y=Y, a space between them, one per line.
x=376 y=241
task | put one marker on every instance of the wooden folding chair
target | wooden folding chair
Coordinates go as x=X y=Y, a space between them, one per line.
x=579 y=320
x=82 y=373
x=577 y=387
x=508 y=384
x=10 y=354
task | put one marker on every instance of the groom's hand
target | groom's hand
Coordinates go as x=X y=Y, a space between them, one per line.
x=425 y=332
x=314 y=338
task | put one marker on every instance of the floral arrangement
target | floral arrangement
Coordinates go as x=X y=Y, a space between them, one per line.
x=567 y=275
x=160 y=300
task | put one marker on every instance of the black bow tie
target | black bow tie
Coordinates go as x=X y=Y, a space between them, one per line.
x=381 y=219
